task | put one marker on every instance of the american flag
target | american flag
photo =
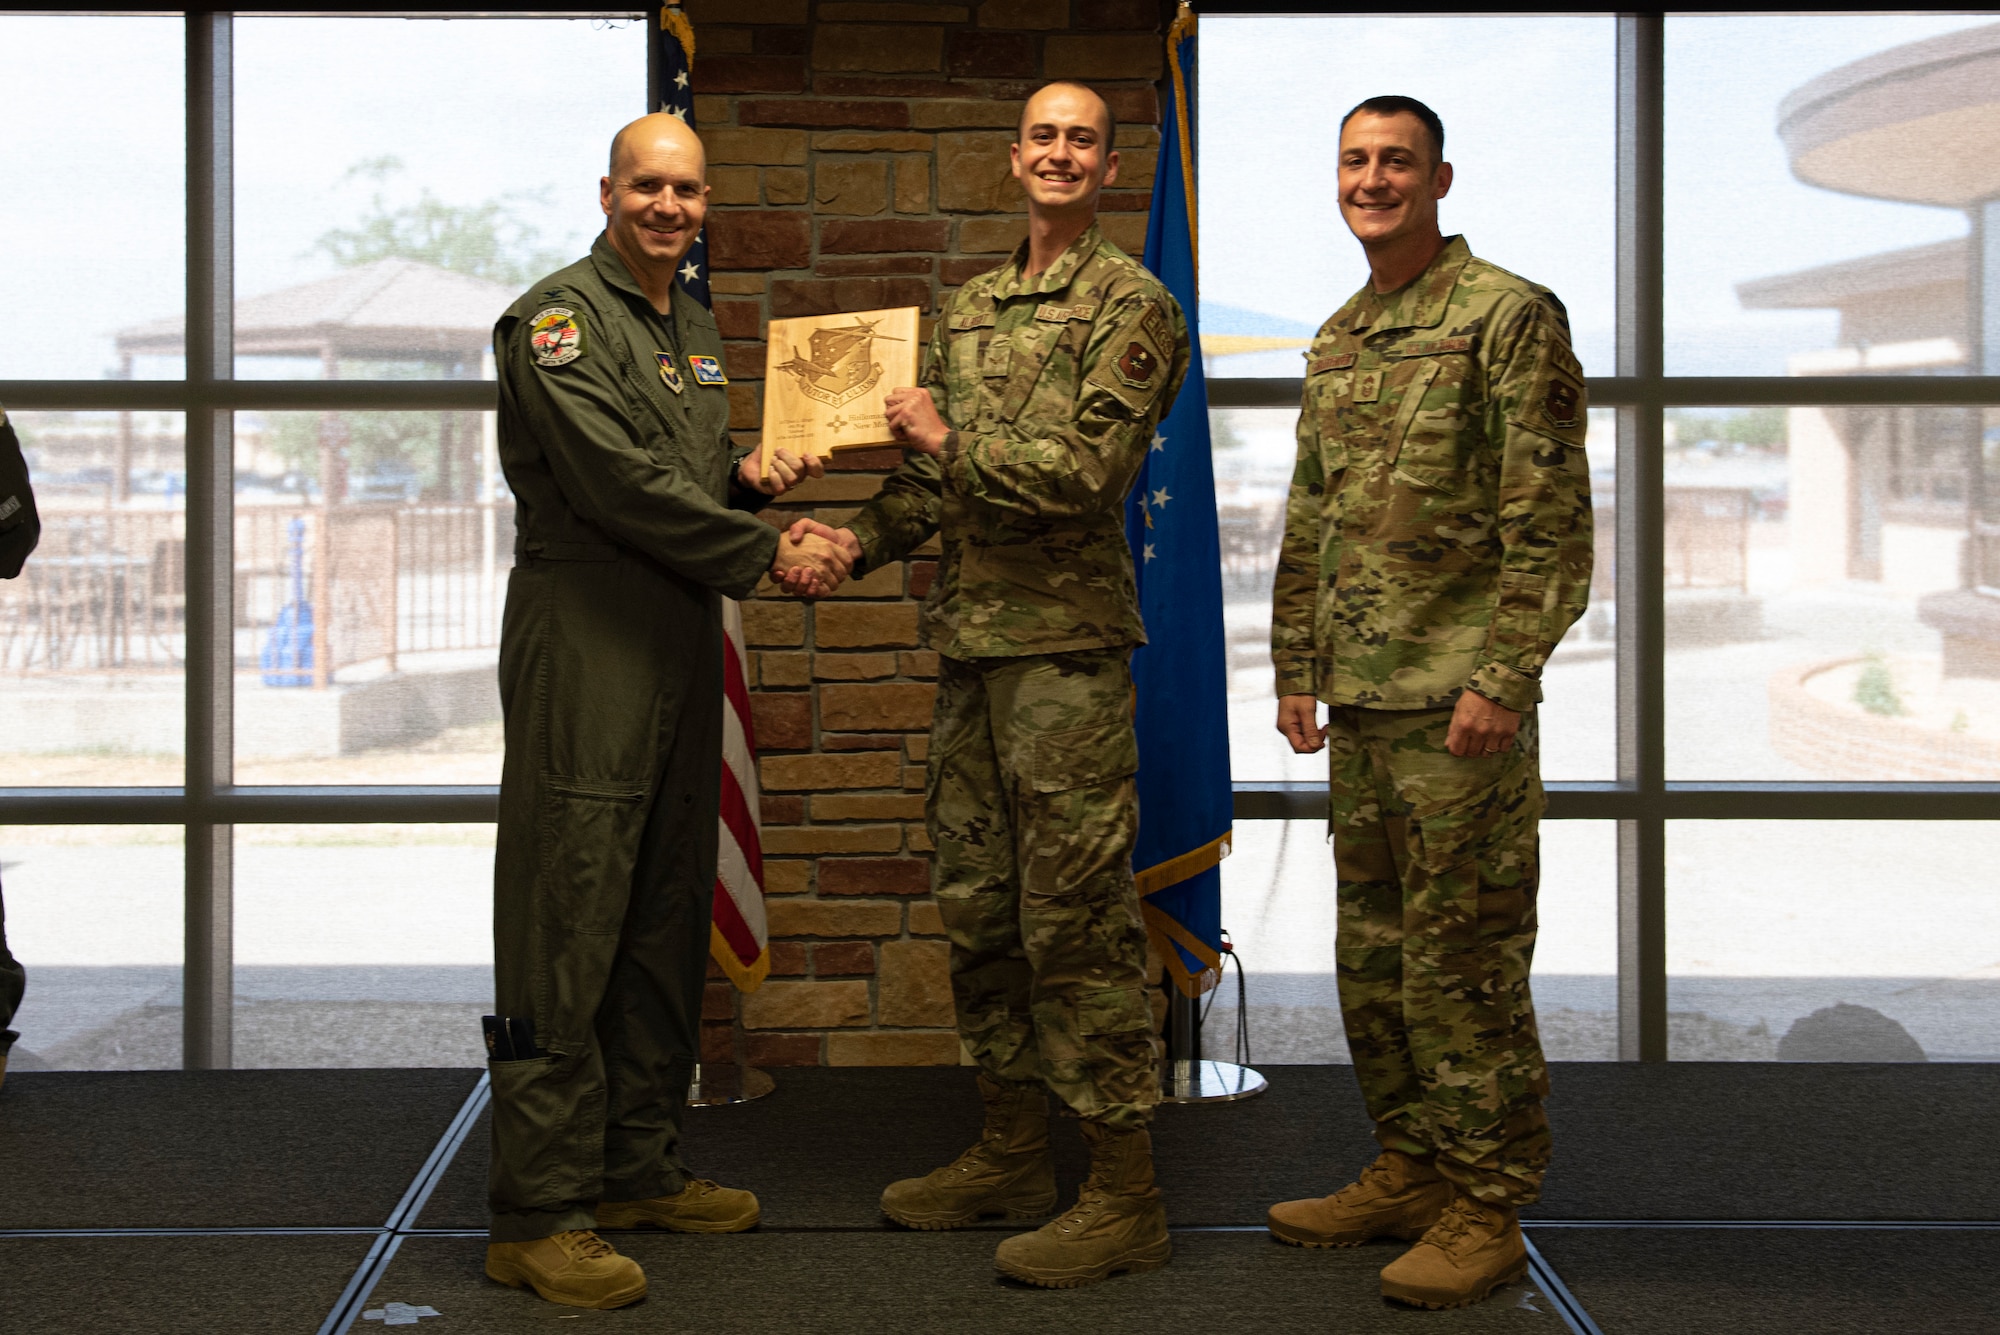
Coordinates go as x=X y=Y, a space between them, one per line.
x=737 y=933
x=676 y=66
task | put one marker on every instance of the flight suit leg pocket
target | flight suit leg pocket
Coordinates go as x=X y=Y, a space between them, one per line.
x=592 y=831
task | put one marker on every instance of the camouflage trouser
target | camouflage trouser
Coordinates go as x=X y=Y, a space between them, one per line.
x=1437 y=858
x=1034 y=809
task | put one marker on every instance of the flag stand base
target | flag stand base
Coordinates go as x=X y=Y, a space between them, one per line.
x=727 y=1083
x=1184 y=1076
x=1208 y=1082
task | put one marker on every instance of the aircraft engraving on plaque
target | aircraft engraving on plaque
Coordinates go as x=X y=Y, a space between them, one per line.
x=826 y=375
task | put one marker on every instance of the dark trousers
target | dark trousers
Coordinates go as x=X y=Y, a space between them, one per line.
x=611 y=688
x=13 y=982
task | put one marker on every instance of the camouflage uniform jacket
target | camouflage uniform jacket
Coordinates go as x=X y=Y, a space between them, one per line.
x=1052 y=386
x=1438 y=530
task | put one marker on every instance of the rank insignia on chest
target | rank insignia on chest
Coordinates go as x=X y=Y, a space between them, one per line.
x=669 y=373
x=1136 y=367
x=707 y=370
x=1368 y=387
x=555 y=337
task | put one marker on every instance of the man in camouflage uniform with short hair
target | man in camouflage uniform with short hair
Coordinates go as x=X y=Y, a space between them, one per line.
x=1437 y=545
x=1042 y=386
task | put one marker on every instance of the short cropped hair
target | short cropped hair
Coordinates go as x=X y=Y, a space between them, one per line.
x=1110 y=120
x=1395 y=105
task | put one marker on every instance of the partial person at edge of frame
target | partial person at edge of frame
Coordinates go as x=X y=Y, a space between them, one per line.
x=20 y=530
x=1437 y=546
x=634 y=517
x=1041 y=389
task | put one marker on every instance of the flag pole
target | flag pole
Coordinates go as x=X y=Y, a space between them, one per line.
x=1186 y=1076
x=669 y=64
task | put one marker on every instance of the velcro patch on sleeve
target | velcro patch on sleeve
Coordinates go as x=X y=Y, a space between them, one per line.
x=555 y=336
x=1338 y=361
x=1137 y=365
x=1561 y=389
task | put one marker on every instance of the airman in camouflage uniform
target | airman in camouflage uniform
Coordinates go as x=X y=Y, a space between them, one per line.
x=1437 y=543
x=1048 y=383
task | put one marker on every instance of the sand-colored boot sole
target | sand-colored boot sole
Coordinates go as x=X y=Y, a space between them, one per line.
x=1438 y=1300
x=1138 y=1261
x=1038 y=1205
x=522 y=1277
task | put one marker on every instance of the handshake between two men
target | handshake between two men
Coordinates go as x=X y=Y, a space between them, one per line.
x=813 y=559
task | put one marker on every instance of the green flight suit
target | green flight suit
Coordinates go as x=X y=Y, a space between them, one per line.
x=1052 y=385
x=627 y=533
x=1438 y=540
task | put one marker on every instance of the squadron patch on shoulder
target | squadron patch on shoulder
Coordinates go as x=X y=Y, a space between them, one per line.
x=707 y=370
x=1137 y=365
x=555 y=337
x=1559 y=405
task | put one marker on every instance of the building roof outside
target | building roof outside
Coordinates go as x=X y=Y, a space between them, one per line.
x=393 y=309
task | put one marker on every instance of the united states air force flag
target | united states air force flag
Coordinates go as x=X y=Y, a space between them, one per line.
x=738 y=937
x=676 y=66
x=1182 y=717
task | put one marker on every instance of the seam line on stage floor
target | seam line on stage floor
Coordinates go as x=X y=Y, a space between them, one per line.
x=398 y=1226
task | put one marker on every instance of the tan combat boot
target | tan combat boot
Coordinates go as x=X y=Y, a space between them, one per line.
x=1008 y=1172
x=1473 y=1249
x=1117 y=1223
x=577 y=1269
x=699 y=1207
x=1397 y=1196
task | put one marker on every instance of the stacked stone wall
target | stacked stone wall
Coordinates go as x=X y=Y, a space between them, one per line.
x=858 y=160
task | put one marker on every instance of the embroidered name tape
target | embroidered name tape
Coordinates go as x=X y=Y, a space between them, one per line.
x=707 y=371
x=1432 y=347
x=1337 y=362
x=972 y=320
x=1048 y=310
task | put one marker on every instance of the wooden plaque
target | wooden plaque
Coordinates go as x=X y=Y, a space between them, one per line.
x=825 y=377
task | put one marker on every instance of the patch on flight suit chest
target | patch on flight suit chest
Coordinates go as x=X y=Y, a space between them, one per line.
x=669 y=372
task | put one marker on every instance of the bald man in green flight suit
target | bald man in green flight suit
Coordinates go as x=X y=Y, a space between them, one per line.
x=634 y=518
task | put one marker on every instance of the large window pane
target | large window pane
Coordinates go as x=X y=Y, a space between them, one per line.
x=93 y=209
x=1830 y=594
x=94 y=916
x=1833 y=941
x=363 y=945
x=1819 y=170
x=372 y=552
x=1278 y=903
x=1254 y=451
x=93 y=632
x=1276 y=258
x=400 y=182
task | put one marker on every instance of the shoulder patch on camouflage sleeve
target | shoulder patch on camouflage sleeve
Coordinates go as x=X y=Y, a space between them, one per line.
x=555 y=336
x=1562 y=391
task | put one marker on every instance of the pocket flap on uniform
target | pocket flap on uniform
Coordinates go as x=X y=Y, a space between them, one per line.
x=1115 y=1010
x=1458 y=834
x=1332 y=454
x=1078 y=757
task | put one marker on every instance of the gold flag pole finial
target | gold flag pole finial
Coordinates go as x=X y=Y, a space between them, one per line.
x=674 y=21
